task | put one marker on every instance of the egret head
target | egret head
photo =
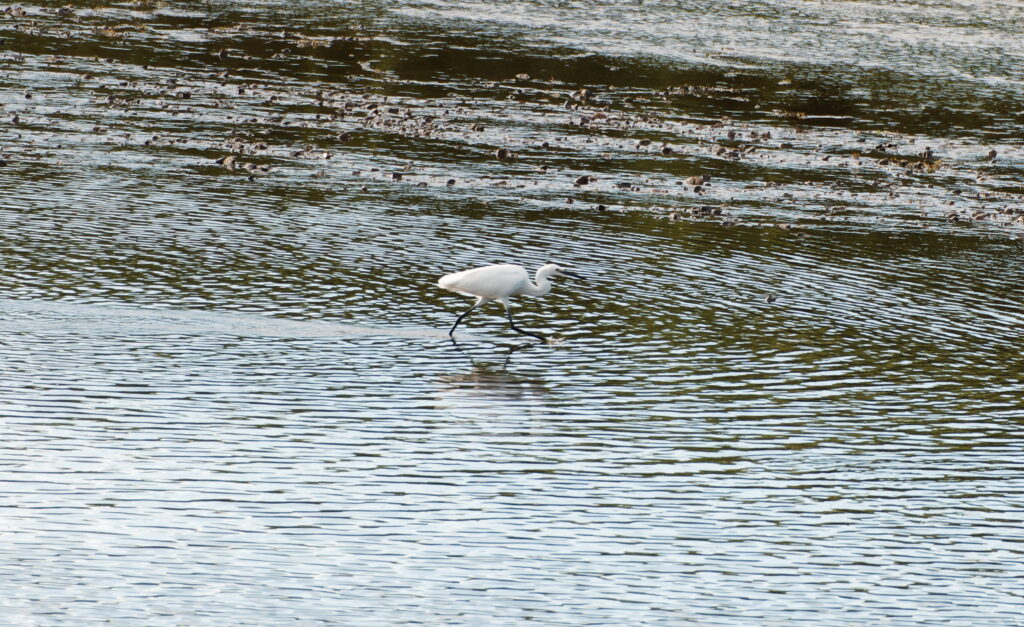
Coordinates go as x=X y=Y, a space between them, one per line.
x=552 y=270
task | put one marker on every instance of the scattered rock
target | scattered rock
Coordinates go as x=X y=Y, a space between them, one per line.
x=582 y=95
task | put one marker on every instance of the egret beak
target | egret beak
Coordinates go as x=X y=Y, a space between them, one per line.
x=573 y=275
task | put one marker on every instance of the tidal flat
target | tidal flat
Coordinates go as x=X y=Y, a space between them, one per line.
x=789 y=392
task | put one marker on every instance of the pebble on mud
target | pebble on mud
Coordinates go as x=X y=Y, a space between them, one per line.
x=581 y=95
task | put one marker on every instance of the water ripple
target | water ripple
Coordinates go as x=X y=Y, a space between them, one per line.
x=790 y=397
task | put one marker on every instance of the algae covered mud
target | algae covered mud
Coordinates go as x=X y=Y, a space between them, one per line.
x=789 y=393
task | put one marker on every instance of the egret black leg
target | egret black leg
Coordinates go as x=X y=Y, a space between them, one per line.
x=518 y=330
x=459 y=319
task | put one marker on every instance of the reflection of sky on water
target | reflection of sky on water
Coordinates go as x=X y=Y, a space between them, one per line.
x=229 y=398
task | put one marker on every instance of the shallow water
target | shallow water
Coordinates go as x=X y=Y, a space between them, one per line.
x=790 y=397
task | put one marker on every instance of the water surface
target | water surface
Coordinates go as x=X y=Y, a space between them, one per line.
x=789 y=397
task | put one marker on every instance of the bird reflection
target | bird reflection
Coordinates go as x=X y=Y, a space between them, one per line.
x=491 y=380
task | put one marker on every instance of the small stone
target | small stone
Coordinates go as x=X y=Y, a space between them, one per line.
x=581 y=95
x=583 y=180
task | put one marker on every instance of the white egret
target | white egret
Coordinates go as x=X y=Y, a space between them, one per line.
x=499 y=282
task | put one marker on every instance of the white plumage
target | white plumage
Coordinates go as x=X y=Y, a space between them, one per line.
x=498 y=283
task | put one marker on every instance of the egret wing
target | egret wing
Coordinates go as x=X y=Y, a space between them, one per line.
x=490 y=282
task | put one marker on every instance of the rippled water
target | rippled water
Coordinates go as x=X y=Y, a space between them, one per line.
x=790 y=397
